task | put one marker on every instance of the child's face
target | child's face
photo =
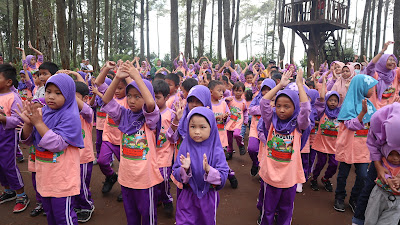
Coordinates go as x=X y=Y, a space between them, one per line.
x=36 y=80
x=184 y=92
x=391 y=63
x=194 y=102
x=338 y=70
x=332 y=102
x=249 y=78
x=394 y=158
x=370 y=92
x=259 y=84
x=135 y=100
x=346 y=72
x=172 y=87
x=33 y=61
x=44 y=75
x=357 y=67
x=284 y=107
x=160 y=100
x=199 y=129
x=238 y=92
x=120 y=92
x=82 y=98
x=257 y=66
x=54 y=97
x=5 y=84
x=217 y=93
x=158 y=63
x=265 y=90
x=180 y=63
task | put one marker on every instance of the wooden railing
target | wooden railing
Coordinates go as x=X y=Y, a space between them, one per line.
x=316 y=10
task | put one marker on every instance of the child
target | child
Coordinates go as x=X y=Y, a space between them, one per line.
x=165 y=150
x=202 y=169
x=255 y=112
x=56 y=136
x=351 y=148
x=36 y=81
x=26 y=84
x=30 y=61
x=140 y=124
x=83 y=203
x=10 y=177
x=342 y=82
x=280 y=165
x=173 y=81
x=46 y=70
x=239 y=115
x=186 y=86
x=37 y=103
x=248 y=96
x=325 y=140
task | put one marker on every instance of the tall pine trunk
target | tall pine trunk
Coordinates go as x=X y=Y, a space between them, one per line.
x=82 y=30
x=14 y=31
x=387 y=2
x=201 y=27
x=44 y=27
x=174 y=29
x=228 y=31
x=133 y=29
x=147 y=30
x=372 y=28
x=396 y=26
x=273 y=35
x=237 y=29
x=26 y=24
x=355 y=27
x=106 y=27
x=363 y=28
x=62 y=34
x=212 y=28
x=378 y=27
x=142 y=29
x=219 y=48
x=281 y=51
x=74 y=33
x=93 y=34
x=292 y=46
x=188 y=47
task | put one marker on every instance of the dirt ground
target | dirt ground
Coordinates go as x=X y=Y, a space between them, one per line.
x=237 y=206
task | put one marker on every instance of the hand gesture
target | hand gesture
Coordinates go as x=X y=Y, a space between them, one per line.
x=299 y=77
x=312 y=63
x=179 y=108
x=185 y=161
x=23 y=112
x=20 y=49
x=30 y=45
x=356 y=57
x=121 y=73
x=94 y=90
x=386 y=45
x=394 y=184
x=285 y=78
x=206 y=166
x=110 y=65
x=365 y=58
x=364 y=106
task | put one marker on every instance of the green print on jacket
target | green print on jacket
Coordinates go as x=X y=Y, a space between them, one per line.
x=135 y=147
x=162 y=138
x=388 y=92
x=47 y=156
x=280 y=151
x=330 y=128
x=235 y=113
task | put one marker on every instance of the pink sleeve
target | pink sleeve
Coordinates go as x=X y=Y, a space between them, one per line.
x=52 y=142
x=40 y=59
x=255 y=110
x=87 y=113
x=14 y=120
x=354 y=124
x=266 y=112
x=213 y=177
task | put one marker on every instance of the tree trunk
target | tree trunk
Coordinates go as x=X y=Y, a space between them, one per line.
x=106 y=27
x=396 y=27
x=188 y=47
x=70 y=23
x=273 y=35
x=26 y=24
x=212 y=28
x=201 y=28
x=74 y=33
x=363 y=28
x=82 y=30
x=32 y=25
x=62 y=34
x=355 y=27
x=133 y=29
x=89 y=31
x=8 y=33
x=292 y=46
x=93 y=26
x=174 y=29
x=44 y=27
x=97 y=46
x=372 y=28
x=228 y=31
x=281 y=51
x=237 y=29
x=368 y=27
x=219 y=31
x=14 y=31
x=111 y=34
x=378 y=27
x=142 y=29
x=387 y=2
x=147 y=30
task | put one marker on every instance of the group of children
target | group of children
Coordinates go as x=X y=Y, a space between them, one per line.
x=181 y=126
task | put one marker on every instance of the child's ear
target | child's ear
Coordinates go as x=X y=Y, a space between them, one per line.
x=86 y=98
x=9 y=83
x=166 y=98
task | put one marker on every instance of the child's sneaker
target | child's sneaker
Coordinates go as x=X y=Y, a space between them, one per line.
x=299 y=188
x=254 y=171
x=109 y=183
x=95 y=162
x=353 y=204
x=327 y=184
x=259 y=218
x=234 y=181
x=339 y=205
x=21 y=204
x=228 y=155
x=84 y=215
x=119 y=198
x=314 y=185
x=242 y=150
x=37 y=210
x=6 y=197
x=20 y=159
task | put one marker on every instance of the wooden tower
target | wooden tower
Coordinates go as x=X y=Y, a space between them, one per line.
x=315 y=21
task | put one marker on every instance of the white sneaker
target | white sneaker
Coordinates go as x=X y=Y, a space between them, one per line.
x=299 y=188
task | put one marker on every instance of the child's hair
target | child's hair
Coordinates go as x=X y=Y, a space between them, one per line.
x=225 y=78
x=227 y=71
x=213 y=84
x=275 y=67
x=189 y=83
x=174 y=77
x=248 y=72
x=81 y=88
x=208 y=76
x=238 y=85
x=249 y=95
x=160 y=86
x=260 y=79
x=125 y=83
x=9 y=72
x=111 y=72
x=179 y=73
x=310 y=83
x=159 y=76
x=110 y=77
x=276 y=75
x=51 y=67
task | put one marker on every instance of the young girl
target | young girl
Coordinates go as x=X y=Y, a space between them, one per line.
x=57 y=137
x=255 y=112
x=31 y=62
x=239 y=115
x=26 y=84
x=325 y=140
x=140 y=124
x=202 y=169
x=354 y=117
x=342 y=82
x=280 y=165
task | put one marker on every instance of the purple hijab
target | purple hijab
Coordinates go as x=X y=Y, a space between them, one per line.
x=331 y=113
x=83 y=74
x=22 y=85
x=28 y=62
x=386 y=76
x=266 y=83
x=64 y=121
x=203 y=94
x=211 y=147
x=40 y=101
x=385 y=125
x=132 y=122
x=313 y=95
x=99 y=100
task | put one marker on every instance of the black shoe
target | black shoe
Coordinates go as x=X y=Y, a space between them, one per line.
x=254 y=171
x=84 y=215
x=6 y=197
x=339 y=205
x=327 y=184
x=314 y=185
x=37 y=210
x=353 y=204
x=242 y=150
x=169 y=209
x=119 y=198
x=228 y=155
x=109 y=182
x=20 y=159
x=234 y=182
x=259 y=218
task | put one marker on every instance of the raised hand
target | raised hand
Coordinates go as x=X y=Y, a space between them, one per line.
x=299 y=77
x=23 y=112
x=312 y=63
x=110 y=65
x=285 y=78
x=179 y=108
x=185 y=161
x=30 y=45
x=386 y=45
x=20 y=49
x=206 y=166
